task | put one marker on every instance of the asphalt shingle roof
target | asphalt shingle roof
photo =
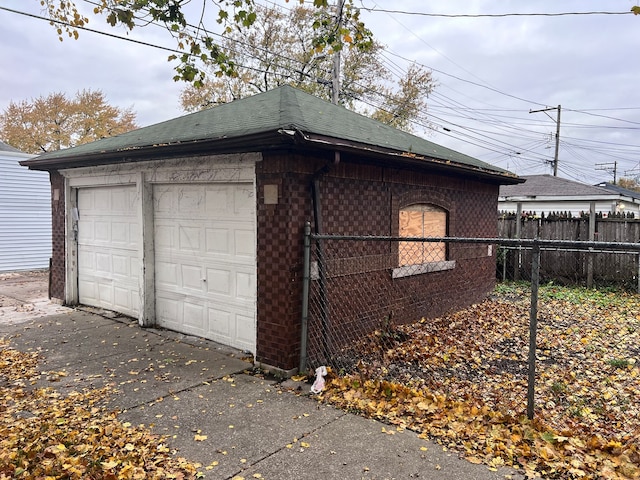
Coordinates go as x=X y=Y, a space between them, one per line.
x=8 y=148
x=550 y=186
x=616 y=189
x=283 y=108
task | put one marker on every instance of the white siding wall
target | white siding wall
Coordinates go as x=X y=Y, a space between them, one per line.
x=575 y=207
x=25 y=215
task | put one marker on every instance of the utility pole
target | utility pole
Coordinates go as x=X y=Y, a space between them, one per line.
x=611 y=167
x=633 y=173
x=555 y=157
x=335 y=80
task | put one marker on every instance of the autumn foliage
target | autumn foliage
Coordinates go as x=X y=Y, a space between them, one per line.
x=55 y=122
x=462 y=379
x=48 y=436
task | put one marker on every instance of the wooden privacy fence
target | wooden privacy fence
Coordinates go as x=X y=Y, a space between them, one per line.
x=590 y=268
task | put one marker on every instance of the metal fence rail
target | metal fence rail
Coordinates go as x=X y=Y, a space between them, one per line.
x=349 y=285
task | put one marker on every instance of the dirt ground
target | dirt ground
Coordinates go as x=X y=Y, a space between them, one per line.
x=25 y=295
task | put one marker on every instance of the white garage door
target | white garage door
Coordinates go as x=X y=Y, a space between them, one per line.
x=108 y=248
x=205 y=261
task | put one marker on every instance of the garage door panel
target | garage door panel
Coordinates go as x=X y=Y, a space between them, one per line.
x=244 y=324
x=244 y=201
x=220 y=324
x=192 y=277
x=105 y=292
x=217 y=241
x=107 y=248
x=164 y=236
x=168 y=312
x=205 y=249
x=194 y=317
x=191 y=200
x=245 y=286
x=121 y=265
x=103 y=263
x=244 y=243
x=218 y=281
x=189 y=239
x=89 y=289
x=166 y=274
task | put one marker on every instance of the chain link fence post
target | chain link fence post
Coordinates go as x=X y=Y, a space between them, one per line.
x=306 y=280
x=533 y=328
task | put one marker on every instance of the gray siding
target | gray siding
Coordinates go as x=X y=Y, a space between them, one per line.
x=25 y=215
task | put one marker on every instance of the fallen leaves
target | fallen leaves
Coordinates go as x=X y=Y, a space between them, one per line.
x=46 y=435
x=462 y=380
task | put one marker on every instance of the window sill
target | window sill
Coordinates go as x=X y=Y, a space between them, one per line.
x=410 y=270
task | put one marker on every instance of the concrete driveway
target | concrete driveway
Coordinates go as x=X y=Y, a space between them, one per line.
x=179 y=386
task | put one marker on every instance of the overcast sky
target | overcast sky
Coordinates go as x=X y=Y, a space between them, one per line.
x=491 y=72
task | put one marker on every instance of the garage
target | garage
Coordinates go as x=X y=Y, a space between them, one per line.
x=205 y=251
x=108 y=233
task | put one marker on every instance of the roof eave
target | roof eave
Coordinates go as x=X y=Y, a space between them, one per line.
x=407 y=158
x=146 y=152
x=284 y=136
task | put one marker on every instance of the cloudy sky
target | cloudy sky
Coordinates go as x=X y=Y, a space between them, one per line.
x=492 y=70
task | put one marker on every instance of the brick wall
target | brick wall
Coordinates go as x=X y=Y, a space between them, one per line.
x=361 y=199
x=57 y=236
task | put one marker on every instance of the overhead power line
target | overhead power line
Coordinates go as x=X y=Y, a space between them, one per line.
x=506 y=144
x=87 y=29
x=491 y=15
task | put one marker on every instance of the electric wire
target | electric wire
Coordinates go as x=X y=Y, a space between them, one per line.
x=476 y=136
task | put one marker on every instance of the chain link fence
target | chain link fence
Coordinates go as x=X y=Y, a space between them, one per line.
x=353 y=302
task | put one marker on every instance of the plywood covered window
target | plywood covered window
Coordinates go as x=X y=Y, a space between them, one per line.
x=422 y=220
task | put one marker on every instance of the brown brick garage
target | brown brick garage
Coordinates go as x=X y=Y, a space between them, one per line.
x=279 y=144
x=362 y=199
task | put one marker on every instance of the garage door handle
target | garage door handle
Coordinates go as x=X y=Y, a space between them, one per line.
x=204 y=279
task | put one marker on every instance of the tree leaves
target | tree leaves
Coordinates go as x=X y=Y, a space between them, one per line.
x=54 y=122
x=46 y=435
x=462 y=380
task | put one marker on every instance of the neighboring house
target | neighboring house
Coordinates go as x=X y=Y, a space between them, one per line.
x=196 y=224
x=546 y=194
x=25 y=214
x=625 y=194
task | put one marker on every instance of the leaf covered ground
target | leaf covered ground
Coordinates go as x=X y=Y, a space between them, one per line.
x=462 y=379
x=44 y=435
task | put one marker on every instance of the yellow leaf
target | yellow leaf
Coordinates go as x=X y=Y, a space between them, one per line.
x=60 y=448
x=110 y=464
x=304 y=444
x=199 y=438
x=475 y=460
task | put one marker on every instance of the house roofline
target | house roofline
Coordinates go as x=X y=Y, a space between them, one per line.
x=405 y=158
x=565 y=198
x=282 y=137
